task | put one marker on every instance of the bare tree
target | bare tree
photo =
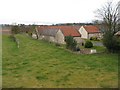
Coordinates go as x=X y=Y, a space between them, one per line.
x=109 y=15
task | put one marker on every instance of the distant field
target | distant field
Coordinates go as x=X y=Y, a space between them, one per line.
x=40 y=64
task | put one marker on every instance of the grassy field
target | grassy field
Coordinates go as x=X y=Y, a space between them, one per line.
x=42 y=64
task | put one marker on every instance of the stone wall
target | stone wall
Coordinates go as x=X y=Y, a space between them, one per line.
x=60 y=37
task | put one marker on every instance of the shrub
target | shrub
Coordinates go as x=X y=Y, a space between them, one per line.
x=113 y=45
x=88 y=44
x=116 y=43
x=111 y=42
x=94 y=38
x=15 y=29
x=57 y=44
x=30 y=34
x=70 y=43
x=12 y=37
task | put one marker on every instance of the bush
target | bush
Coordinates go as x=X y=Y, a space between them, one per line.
x=113 y=45
x=111 y=42
x=88 y=44
x=94 y=38
x=57 y=44
x=15 y=29
x=12 y=37
x=70 y=43
x=116 y=43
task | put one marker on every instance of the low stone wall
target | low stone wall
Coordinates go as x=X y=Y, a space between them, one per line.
x=15 y=40
x=88 y=51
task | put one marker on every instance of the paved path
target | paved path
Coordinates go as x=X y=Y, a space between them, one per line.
x=97 y=43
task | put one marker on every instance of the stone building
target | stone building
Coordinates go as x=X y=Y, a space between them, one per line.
x=89 y=31
x=57 y=34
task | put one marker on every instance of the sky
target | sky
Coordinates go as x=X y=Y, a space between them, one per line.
x=49 y=11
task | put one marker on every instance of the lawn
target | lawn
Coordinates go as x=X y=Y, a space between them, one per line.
x=39 y=64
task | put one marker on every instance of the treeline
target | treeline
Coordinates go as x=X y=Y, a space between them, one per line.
x=73 y=24
x=52 y=24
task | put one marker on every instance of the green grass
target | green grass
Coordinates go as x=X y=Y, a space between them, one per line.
x=42 y=64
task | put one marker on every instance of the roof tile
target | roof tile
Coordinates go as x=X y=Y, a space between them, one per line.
x=91 y=29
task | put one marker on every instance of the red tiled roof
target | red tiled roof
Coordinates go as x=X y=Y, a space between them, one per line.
x=91 y=29
x=66 y=30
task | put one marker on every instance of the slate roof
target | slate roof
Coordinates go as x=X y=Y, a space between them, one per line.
x=66 y=30
x=49 y=32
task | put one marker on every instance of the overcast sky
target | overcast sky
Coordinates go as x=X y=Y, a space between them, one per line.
x=49 y=11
